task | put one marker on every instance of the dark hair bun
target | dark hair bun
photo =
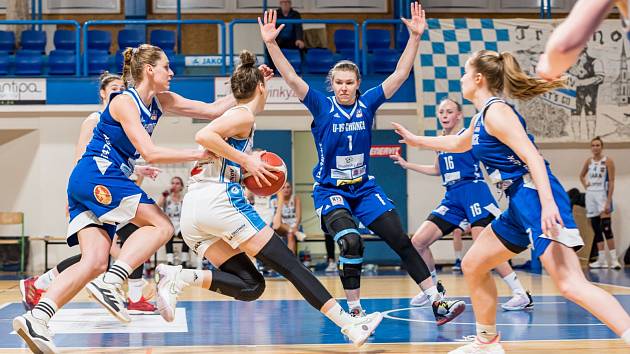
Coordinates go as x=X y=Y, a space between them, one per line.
x=248 y=59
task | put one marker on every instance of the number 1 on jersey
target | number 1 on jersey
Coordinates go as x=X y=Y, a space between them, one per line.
x=350 y=142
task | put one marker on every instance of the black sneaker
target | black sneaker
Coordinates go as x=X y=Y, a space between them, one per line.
x=446 y=310
x=440 y=288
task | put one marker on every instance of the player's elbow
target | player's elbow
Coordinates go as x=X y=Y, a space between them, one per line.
x=150 y=156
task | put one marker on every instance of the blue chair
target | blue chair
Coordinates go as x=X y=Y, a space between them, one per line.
x=294 y=57
x=99 y=40
x=7 y=41
x=402 y=37
x=28 y=62
x=62 y=62
x=377 y=39
x=65 y=40
x=130 y=38
x=33 y=40
x=385 y=61
x=98 y=61
x=349 y=55
x=319 y=60
x=163 y=39
x=4 y=63
x=344 y=40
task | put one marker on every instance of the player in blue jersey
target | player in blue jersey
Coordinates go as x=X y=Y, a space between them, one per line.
x=568 y=40
x=341 y=127
x=233 y=230
x=101 y=195
x=539 y=212
x=467 y=200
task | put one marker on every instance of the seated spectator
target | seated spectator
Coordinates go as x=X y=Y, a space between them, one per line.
x=288 y=217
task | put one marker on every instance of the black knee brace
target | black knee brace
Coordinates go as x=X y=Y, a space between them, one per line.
x=607 y=228
x=277 y=256
x=63 y=265
x=596 y=224
x=389 y=228
x=341 y=225
x=238 y=278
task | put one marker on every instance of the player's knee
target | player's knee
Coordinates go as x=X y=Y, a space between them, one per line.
x=253 y=291
x=419 y=242
x=165 y=231
x=471 y=265
x=569 y=288
x=95 y=265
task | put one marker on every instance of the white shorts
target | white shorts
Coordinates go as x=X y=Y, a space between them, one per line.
x=595 y=203
x=212 y=211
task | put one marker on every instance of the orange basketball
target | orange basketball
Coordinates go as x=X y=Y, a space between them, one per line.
x=280 y=171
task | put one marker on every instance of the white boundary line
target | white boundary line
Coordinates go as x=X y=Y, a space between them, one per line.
x=5 y=305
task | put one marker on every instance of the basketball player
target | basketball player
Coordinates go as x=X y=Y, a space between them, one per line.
x=598 y=178
x=101 y=194
x=341 y=128
x=539 y=210
x=565 y=44
x=171 y=202
x=233 y=230
x=32 y=288
x=467 y=198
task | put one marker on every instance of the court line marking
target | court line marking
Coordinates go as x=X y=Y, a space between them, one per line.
x=5 y=305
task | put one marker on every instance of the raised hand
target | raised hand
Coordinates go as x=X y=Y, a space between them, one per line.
x=407 y=137
x=268 y=30
x=266 y=71
x=398 y=160
x=418 y=22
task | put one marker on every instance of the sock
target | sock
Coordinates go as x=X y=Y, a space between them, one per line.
x=613 y=254
x=135 y=289
x=45 y=309
x=117 y=273
x=184 y=257
x=433 y=293
x=169 y=258
x=458 y=255
x=340 y=317
x=626 y=336
x=434 y=276
x=44 y=280
x=193 y=277
x=353 y=304
x=512 y=281
x=487 y=333
x=601 y=256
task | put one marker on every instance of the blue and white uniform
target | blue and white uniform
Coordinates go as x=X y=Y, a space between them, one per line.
x=467 y=197
x=343 y=138
x=597 y=190
x=99 y=190
x=519 y=225
x=215 y=206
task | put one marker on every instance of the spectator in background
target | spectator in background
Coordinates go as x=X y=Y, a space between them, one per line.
x=292 y=36
x=288 y=217
x=171 y=203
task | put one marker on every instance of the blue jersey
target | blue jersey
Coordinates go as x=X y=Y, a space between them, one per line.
x=110 y=144
x=458 y=167
x=343 y=136
x=501 y=162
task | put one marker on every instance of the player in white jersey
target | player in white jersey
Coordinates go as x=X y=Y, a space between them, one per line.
x=598 y=177
x=567 y=41
x=219 y=223
x=288 y=216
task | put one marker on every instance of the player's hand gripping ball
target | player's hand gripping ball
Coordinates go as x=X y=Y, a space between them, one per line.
x=278 y=168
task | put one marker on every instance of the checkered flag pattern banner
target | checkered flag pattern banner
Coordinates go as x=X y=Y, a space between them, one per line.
x=444 y=49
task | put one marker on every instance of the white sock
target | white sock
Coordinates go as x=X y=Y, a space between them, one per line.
x=45 y=309
x=184 y=257
x=340 y=317
x=487 y=333
x=433 y=293
x=117 y=273
x=626 y=336
x=135 y=289
x=458 y=255
x=193 y=277
x=613 y=254
x=434 y=276
x=512 y=281
x=353 y=304
x=601 y=256
x=44 y=280
x=170 y=258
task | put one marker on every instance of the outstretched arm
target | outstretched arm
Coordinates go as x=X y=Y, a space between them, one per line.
x=567 y=40
x=449 y=143
x=416 y=27
x=430 y=170
x=269 y=32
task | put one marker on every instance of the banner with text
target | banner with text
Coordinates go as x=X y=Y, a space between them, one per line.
x=279 y=91
x=22 y=91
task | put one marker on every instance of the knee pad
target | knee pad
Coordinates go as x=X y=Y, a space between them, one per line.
x=244 y=269
x=350 y=254
x=607 y=228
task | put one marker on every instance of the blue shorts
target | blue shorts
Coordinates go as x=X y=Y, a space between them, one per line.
x=471 y=200
x=366 y=201
x=102 y=199
x=519 y=225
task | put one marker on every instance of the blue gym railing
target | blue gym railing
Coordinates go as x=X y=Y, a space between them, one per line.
x=302 y=21
x=87 y=25
x=364 y=47
x=77 y=33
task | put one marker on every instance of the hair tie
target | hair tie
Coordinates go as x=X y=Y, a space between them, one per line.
x=134 y=51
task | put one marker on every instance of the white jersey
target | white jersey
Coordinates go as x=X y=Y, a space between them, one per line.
x=266 y=207
x=173 y=210
x=288 y=212
x=597 y=176
x=221 y=169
